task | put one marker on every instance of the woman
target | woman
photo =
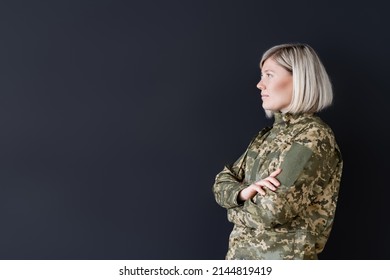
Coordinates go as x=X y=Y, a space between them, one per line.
x=281 y=194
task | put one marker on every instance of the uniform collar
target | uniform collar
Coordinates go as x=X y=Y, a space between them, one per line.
x=284 y=119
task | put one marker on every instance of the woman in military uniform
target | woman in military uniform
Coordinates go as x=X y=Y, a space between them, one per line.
x=281 y=194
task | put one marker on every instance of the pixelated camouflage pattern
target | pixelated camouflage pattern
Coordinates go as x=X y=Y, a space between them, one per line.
x=295 y=221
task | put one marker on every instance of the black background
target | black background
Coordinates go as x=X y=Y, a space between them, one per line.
x=115 y=117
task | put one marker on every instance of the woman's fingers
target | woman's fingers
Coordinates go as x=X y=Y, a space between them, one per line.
x=267 y=184
x=270 y=182
x=259 y=189
x=273 y=181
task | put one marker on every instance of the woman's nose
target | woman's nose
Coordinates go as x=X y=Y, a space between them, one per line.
x=260 y=85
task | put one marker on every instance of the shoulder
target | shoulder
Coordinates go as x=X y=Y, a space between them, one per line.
x=316 y=135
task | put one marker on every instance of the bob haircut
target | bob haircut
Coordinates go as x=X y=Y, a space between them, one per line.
x=312 y=89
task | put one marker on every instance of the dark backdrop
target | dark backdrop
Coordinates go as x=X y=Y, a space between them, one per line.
x=115 y=117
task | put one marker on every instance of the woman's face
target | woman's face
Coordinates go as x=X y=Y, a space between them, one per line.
x=276 y=86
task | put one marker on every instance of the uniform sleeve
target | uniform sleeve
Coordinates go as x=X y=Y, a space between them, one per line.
x=306 y=164
x=229 y=182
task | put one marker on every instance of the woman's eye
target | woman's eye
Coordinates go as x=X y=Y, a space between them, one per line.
x=268 y=75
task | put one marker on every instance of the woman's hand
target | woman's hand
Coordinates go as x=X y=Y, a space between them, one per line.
x=258 y=187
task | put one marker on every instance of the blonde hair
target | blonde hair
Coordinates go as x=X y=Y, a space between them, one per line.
x=312 y=89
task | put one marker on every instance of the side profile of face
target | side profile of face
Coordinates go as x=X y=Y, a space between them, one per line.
x=276 y=86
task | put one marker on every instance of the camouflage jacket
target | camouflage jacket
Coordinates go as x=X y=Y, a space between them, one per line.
x=295 y=221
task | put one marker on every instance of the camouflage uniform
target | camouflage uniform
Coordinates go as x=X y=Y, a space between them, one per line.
x=295 y=221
